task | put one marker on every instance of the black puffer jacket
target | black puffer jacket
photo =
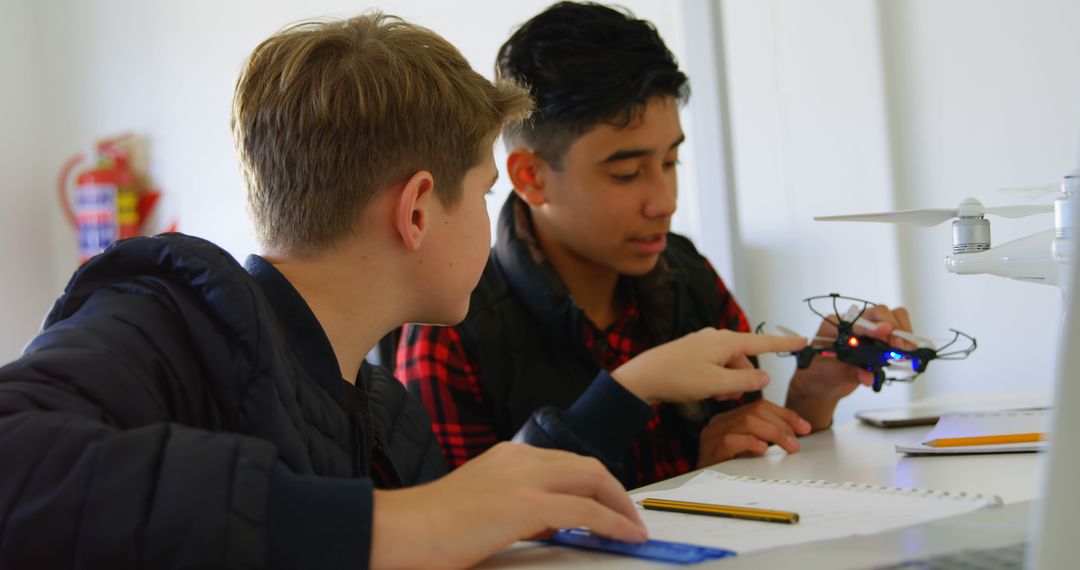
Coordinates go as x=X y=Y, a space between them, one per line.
x=179 y=412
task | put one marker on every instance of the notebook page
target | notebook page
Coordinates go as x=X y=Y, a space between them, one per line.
x=826 y=510
x=972 y=424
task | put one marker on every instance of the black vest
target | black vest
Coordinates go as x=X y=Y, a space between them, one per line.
x=526 y=332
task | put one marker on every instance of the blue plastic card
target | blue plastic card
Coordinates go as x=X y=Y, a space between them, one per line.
x=652 y=549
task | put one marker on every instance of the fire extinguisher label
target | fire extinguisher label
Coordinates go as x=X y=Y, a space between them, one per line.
x=96 y=207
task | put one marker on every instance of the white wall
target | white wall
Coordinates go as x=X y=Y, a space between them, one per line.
x=845 y=106
x=809 y=136
x=983 y=95
x=26 y=190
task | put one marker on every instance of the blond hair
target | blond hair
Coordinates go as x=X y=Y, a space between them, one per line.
x=327 y=114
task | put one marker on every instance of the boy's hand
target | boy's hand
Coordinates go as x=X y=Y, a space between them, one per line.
x=815 y=391
x=511 y=492
x=748 y=430
x=709 y=363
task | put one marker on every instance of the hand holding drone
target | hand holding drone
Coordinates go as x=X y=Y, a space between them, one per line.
x=887 y=363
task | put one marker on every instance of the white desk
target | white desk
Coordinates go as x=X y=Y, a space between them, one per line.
x=864 y=454
x=850 y=452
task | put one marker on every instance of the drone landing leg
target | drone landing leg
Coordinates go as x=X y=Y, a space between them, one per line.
x=879 y=378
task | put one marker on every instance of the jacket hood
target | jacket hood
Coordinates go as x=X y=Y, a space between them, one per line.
x=170 y=262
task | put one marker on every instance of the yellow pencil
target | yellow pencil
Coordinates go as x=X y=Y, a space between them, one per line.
x=987 y=439
x=743 y=513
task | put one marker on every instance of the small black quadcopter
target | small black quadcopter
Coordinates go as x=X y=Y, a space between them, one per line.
x=870 y=353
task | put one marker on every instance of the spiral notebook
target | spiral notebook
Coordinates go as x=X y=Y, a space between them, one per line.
x=826 y=510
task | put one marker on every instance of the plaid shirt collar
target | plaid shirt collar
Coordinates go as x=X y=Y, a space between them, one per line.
x=621 y=340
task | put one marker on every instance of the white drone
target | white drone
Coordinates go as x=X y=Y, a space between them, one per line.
x=1035 y=258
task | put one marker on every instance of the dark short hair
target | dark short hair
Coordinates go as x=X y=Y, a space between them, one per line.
x=585 y=64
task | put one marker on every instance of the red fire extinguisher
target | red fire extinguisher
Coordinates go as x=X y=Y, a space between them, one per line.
x=109 y=203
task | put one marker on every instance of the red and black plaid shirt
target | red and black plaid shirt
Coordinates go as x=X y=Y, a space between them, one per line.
x=435 y=365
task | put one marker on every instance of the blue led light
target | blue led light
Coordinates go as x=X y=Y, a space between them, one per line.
x=895 y=355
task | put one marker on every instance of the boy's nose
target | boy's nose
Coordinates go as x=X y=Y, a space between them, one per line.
x=662 y=200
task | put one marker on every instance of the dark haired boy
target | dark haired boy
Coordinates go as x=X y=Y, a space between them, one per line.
x=585 y=276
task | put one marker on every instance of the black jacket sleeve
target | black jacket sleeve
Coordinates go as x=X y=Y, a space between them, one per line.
x=601 y=423
x=115 y=453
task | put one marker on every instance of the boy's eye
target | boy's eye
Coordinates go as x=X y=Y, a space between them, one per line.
x=624 y=177
x=671 y=163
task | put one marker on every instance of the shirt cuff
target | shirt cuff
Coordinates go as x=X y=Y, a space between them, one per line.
x=608 y=415
x=318 y=522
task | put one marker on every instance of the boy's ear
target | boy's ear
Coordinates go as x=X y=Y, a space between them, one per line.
x=413 y=215
x=526 y=170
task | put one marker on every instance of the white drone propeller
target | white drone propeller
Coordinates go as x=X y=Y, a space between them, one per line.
x=969 y=208
x=921 y=342
x=914 y=339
